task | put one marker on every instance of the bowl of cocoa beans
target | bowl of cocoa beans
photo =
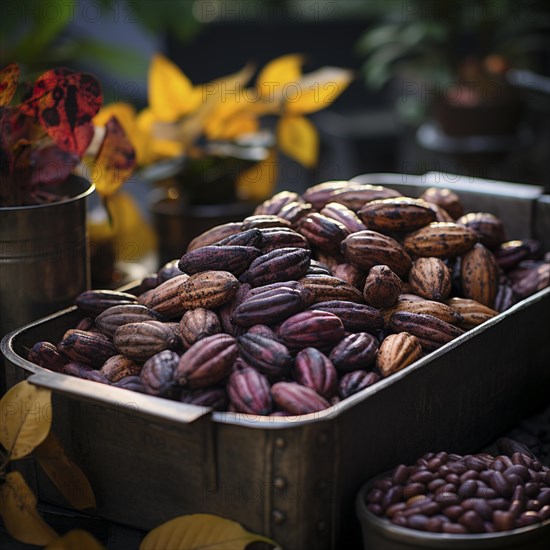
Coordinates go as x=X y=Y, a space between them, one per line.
x=447 y=500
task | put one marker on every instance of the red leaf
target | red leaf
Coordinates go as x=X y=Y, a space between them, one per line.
x=9 y=79
x=51 y=165
x=64 y=102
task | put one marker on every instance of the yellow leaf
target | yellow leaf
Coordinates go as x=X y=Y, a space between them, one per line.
x=197 y=531
x=115 y=161
x=297 y=137
x=25 y=419
x=278 y=73
x=158 y=147
x=21 y=519
x=171 y=93
x=64 y=473
x=257 y=182
x=317 y=90
x=133 y=236
x=77 y=538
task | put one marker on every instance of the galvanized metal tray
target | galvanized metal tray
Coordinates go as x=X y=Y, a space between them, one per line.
x=294 y=479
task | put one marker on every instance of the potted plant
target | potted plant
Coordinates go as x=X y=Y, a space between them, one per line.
x=451 y=60
x=210 y=149
x=47 y=139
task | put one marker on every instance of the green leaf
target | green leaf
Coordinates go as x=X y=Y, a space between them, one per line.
x=25 y=419
x=198 y=532
x=48 y=21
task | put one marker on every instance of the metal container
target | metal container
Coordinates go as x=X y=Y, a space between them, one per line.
x=44 y=256
x=294 y=479
x=381 y=534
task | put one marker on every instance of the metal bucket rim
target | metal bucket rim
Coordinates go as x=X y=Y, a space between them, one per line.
x=88 y=191
x=415 y=537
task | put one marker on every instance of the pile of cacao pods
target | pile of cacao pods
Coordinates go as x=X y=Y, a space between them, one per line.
x=450 y=493
x=311 y=299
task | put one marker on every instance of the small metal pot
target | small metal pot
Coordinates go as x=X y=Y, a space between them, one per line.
x=44 y=256
x=381 y=534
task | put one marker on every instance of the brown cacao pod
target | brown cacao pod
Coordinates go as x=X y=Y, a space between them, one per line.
x=294 y=212
x=509 y=254
x=250 y=237
x=93 y=302
x=382 y=287
x=139 y=341
x=415 y=304
x=263 y=330
x=213 y=398
x=318 y=195
x=132 y=383
x=314 y=328
x=348 y=218
x=214 y=235
x=208 y=289
x=271 y=306
x=45 y=355
x=262 y=221
x=249 y=392
x=479 y=275
x=441 y=240
x=90 y=348
x=366 y=249
x=488 y=227
x=534 y=279
x=355 y=381
x=80 y=370
x=197 y=324
x=273 y=205
x=396 y=352
x=165 y=298
x=318 y=268
x=354 y=352
x=315 y=370
x=430 y=278
x=118 y=367
x=268 y=356
x=473 y=313
x=167 y=271
x=281 y=237
x=326 y=287
x=282 y=264
x=431 y=332
x=505 y=298
x=396 y=214
x=355 y=196
x=225 y=313
x=296 y=400
x=206 y=362
x=157 y=374
x=234 y=259
x=350 y=274
x=446 y=199
x=109 y=320
x=355 y=317
x=323 y=233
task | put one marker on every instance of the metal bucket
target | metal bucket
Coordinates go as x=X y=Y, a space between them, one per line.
x=44 y=256
x=380 y=534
